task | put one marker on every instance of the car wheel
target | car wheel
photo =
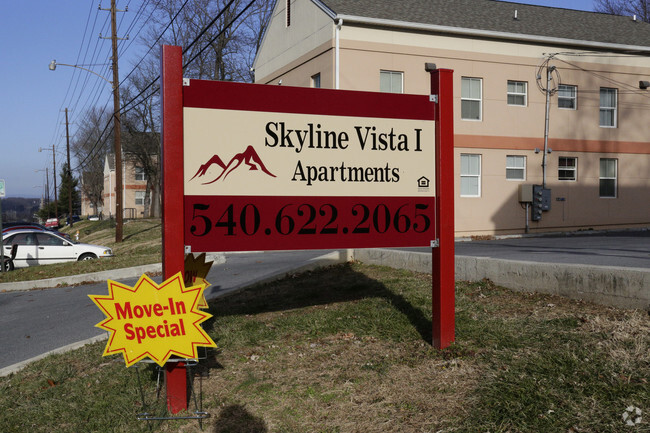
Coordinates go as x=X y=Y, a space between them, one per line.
x=87 y=256
x=7 y=264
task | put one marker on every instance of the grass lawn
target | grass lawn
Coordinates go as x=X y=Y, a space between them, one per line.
x=347 y=349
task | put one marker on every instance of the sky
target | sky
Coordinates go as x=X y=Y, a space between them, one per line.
x=32 y=34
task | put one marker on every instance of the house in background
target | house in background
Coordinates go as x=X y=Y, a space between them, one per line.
x=507 y=58
x=134 y=188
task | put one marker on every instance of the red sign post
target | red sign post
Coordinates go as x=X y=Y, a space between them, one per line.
x=259 y=167
x=443 y=258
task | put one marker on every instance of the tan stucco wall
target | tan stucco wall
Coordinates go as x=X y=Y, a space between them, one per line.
x=497 y=210
x=130 y=187
x=282 y=45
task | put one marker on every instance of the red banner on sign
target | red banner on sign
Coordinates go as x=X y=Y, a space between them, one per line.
x=251 y=223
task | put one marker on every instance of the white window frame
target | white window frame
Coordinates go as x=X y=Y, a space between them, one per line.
x=604 y=177
x=139 y=198
x=613 y=109
x=140 y=175
x=469 y=98
x=567 y=168
x=469 y=175
x=388 y=77
x=511 y=167
x=517 y=92
x=573 y=98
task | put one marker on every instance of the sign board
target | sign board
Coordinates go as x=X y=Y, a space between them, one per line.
x=2 y=188
x=154 y=321
x=271 y=167
x=263 y=167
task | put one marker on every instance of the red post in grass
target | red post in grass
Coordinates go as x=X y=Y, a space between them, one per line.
x=171 y=103
x=444 y=268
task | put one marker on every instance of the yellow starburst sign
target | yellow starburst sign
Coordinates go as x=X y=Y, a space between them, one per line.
x=151 y=320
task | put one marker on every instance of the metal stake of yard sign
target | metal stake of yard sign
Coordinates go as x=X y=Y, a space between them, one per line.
x=198 y=413
x=229 y=97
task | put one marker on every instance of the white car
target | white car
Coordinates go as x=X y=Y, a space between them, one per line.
x=39 y=247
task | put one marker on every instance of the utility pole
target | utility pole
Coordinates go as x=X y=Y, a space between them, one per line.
x=56 y=210
x=119 y=212
x=47 y=191
x=67 y=142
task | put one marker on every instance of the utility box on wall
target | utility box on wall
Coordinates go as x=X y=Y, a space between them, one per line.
x=525 y=193
x=541 y=201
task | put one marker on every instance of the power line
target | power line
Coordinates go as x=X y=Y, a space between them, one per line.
x=157 y=40
x=631 y=88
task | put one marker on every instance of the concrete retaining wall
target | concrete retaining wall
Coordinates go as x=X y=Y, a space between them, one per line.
x=612 y=286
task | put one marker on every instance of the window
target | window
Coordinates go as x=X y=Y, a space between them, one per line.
x=515 y=167
x=470 y=98
x=517 y=91
x=567 y=168
x=608 y=172
x=48 y=239
x=139 y=198
x=139 y=174
x=391 y=81
x=470 y=175
x=567 y=97
x=315 y=81
x=608 y=107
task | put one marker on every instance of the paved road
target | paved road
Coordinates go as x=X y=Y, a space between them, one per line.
x=624 y=248
x=38 y=321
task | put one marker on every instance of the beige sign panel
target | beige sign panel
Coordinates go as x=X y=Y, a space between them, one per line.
x=242 y=153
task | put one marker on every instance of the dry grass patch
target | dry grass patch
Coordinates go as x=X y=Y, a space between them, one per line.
x=343 y=383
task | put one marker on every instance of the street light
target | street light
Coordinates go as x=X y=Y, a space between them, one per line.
x=54 y=64
x=47 y=187
x=117 y=147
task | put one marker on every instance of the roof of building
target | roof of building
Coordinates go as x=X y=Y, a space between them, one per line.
x=503 y=18
x=110 y=158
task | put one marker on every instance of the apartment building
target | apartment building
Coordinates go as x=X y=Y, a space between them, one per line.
x=542 y=96
x=134 y=188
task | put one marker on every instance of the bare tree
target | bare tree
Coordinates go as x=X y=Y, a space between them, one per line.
x=640 y=8
x=230 y=33
x=220 y=39
x=254 y=28
x=89 y=145
x=141 y=141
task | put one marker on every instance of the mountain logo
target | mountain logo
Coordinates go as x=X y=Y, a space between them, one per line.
x=248 y=156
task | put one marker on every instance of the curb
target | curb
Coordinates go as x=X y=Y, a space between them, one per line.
x=611 y=286
x=95 y=277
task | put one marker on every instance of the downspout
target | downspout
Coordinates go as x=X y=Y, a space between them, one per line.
x=337 y=57
x=110 y=194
